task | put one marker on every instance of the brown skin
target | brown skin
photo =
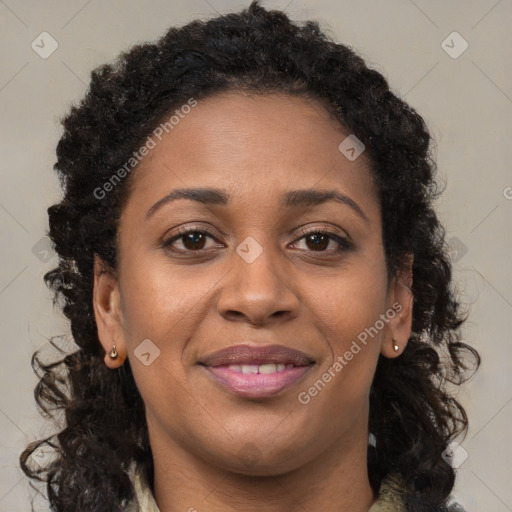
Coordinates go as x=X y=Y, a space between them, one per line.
x=213 y=450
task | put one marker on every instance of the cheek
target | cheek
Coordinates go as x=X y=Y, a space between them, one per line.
x=165 y=306
x=348 y=304
x=347 y=315
x=161 y=302
x=159 y=316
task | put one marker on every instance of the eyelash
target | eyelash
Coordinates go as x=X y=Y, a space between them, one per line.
x=344 y=243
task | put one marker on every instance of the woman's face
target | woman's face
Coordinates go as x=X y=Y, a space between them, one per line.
x=253 y=272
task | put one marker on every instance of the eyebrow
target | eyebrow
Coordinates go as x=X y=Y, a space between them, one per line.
x=293 y=199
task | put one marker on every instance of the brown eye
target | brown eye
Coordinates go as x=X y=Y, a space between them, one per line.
x=191 y=240
x=318 y=241
x=194 y=240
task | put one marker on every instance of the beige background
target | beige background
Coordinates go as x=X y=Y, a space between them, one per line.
x=466 y=101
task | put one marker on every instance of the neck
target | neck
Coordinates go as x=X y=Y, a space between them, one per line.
x=335 y=481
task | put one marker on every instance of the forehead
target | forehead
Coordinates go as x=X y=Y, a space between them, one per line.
x=254 y=145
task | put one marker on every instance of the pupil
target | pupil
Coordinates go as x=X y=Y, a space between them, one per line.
x=316 y=237
x=193 y=238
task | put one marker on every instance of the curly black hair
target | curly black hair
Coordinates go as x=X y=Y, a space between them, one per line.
x=413 y=415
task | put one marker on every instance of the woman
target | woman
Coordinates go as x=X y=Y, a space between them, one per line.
x=257 y=283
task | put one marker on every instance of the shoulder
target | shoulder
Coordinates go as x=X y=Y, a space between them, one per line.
x=393 y=496
x=144 y=500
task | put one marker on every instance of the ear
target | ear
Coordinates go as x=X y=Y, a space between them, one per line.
x=399 y=312
x=108 y=312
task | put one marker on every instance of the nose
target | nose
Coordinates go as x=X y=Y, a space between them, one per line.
x=258 y=291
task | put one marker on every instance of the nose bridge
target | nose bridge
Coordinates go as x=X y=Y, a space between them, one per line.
x=256 y=286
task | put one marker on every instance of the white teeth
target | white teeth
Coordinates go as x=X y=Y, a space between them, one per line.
x=249 y=368
x=267 y=368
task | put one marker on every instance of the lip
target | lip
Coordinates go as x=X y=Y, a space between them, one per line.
x=257 y=354
x=257 y=385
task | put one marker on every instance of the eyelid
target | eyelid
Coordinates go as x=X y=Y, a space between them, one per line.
x=344 y=241
x=324 y=230
x=183 y=230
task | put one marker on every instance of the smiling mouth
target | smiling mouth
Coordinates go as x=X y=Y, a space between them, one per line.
x=266 y=368
x=253 y=370
x=257 y=380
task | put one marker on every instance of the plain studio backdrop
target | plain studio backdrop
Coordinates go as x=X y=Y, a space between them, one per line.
x=449 y=60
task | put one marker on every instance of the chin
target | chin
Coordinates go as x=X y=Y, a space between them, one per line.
x=253 y=459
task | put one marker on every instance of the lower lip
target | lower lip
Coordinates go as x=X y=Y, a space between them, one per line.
x=257 y=385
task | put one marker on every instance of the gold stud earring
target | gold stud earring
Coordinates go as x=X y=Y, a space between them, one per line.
x=113 y=353
x=396 y=348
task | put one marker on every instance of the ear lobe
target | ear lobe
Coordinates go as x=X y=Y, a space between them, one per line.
x=107 y=312
x=400 y=300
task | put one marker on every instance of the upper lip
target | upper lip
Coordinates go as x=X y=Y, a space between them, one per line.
x=261 y=354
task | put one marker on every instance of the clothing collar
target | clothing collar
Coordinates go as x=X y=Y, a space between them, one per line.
x=390 y=496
